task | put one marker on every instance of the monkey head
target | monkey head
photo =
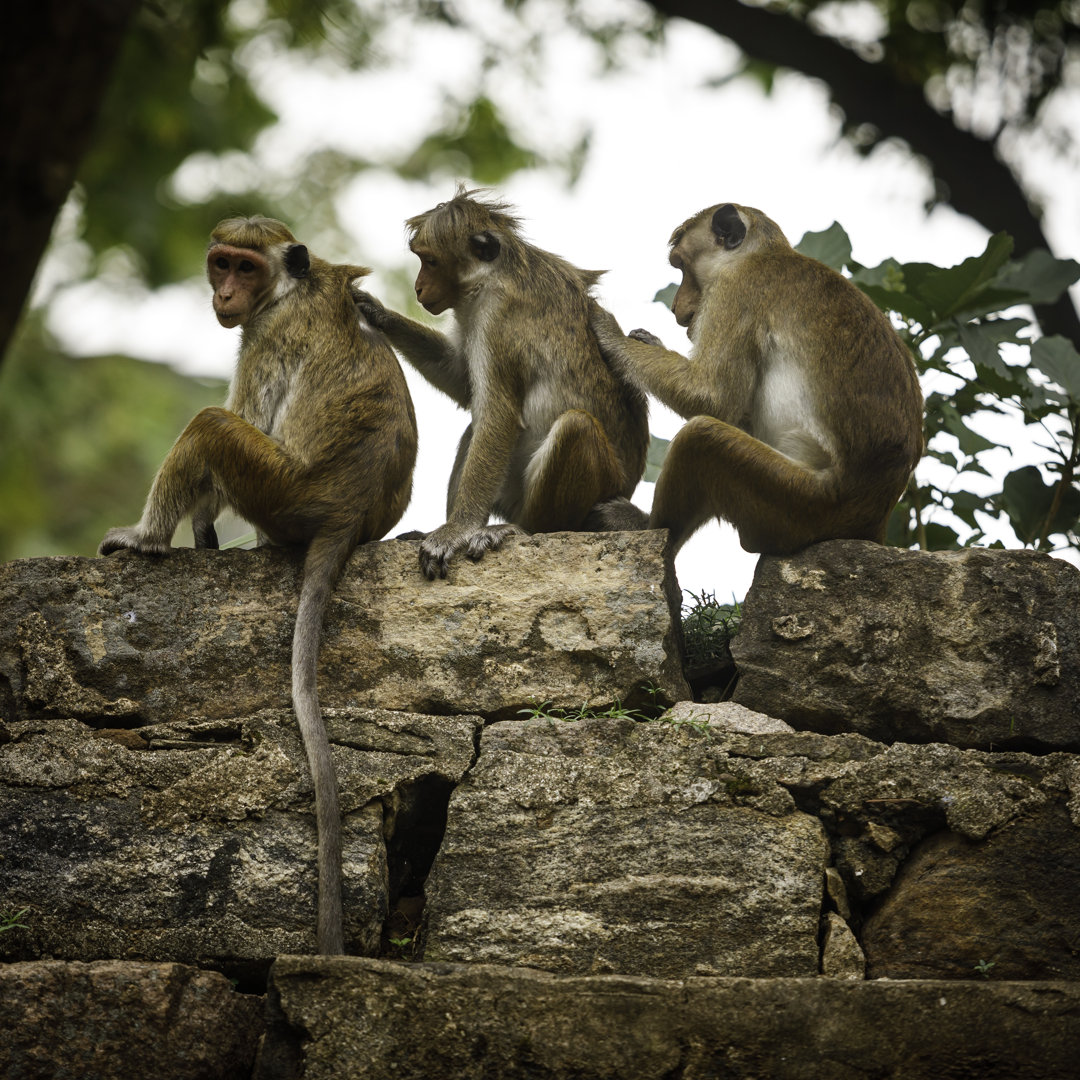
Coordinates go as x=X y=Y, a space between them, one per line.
x=707 y=244
x=252 y=262
x=459 y=243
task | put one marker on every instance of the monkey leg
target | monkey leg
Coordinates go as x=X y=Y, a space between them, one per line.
x=573 y=469
x=713 y=469
x=220 y=459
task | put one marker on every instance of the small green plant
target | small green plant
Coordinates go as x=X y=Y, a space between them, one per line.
x=544 y=711
x=10 y=920
x=708 y=627
x=400 y=942
x=983 y=967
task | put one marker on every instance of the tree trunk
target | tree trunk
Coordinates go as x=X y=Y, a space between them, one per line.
x=56 y=57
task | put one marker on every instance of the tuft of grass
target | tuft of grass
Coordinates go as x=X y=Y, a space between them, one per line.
x=11 y=920
x=708 y=628
x=544 y=711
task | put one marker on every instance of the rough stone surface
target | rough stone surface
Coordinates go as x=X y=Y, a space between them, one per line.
x=841 y=956
x=129 y=640
x=976 y=648
x=725 y=716
x=672 y=850
x=115 y=1021
x=200 y=847
x=1012 y=902
x=373 y=1020
x=614 y=846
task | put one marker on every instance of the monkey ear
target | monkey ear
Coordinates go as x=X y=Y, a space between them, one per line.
x=297 y=261
x=728 y=227
x=485 y=246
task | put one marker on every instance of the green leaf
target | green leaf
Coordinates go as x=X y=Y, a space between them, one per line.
x=904 y=304
x=940 y=537
x=949 y=420
x=1039 y=277
x=1027 y=499
x=966 y=503
x=955 y=289
x=832 y=247
x=654 y=458
x=1058 y=360
x=666 y=295
x=981 y=341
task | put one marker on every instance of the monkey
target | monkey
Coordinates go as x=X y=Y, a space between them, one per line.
x=315 y=447
x=557 y=440
x=804 y=407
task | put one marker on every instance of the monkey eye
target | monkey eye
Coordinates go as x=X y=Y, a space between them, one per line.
x=431 y=262
x=221 y=263
x=246 y=266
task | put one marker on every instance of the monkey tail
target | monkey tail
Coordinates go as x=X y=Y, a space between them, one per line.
x=326 y=556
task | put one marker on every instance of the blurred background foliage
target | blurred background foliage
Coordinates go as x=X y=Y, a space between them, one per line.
x=78 y=434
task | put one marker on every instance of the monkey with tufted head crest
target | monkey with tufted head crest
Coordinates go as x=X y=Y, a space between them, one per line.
x=557 y=439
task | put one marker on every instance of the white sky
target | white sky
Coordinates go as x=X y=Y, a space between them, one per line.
x=663 y=147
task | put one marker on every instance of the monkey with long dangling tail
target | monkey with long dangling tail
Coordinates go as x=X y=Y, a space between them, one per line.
x=805 y=413
x=557 y=439
x=315 y=447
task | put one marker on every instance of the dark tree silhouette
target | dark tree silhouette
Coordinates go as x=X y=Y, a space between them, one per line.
x=972 y=178
x=56 y=58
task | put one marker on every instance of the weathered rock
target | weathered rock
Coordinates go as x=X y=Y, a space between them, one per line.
x=201 y=847
x=614 y=846
x=115 y=1021
x=118 y=642
x=1009 y=906
x=976 y=648
x=672 y=850
x=841 y=956
x=724 y=716
x=374 y=1020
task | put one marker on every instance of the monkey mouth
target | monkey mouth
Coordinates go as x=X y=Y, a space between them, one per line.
x=226 y=319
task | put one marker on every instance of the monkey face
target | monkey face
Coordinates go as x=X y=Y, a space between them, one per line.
x=241 y=279
x=436 y=283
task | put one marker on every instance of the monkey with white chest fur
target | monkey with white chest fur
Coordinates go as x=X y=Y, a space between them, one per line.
x=557 y=439
x=804 y=407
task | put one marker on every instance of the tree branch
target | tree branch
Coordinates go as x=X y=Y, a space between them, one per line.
x=977 y=182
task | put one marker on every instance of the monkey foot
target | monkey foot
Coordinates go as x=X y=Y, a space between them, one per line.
x=133 y=540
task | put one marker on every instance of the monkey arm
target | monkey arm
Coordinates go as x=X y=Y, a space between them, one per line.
x=685 y=386
x=433 y=354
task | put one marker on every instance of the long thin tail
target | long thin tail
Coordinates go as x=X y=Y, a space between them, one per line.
x=325 y=559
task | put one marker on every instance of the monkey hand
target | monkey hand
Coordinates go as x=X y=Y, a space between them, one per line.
x=130 y=537
x=440 y=546
x=644 y=335
x=373 y=310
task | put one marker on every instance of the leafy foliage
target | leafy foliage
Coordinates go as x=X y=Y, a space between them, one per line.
x=965 y=322
x=80 y=441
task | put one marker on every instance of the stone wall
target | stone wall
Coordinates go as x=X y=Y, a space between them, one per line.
x=868 y=863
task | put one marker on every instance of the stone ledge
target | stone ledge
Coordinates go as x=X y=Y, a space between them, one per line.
x=570 y=619
x=378 y=1020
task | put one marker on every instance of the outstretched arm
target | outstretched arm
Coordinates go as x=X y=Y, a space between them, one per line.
x=683 y=385
x=433 y=354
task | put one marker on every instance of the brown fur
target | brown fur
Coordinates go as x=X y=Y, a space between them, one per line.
x=804 y=404
x=556 y=439
x=315 y=447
